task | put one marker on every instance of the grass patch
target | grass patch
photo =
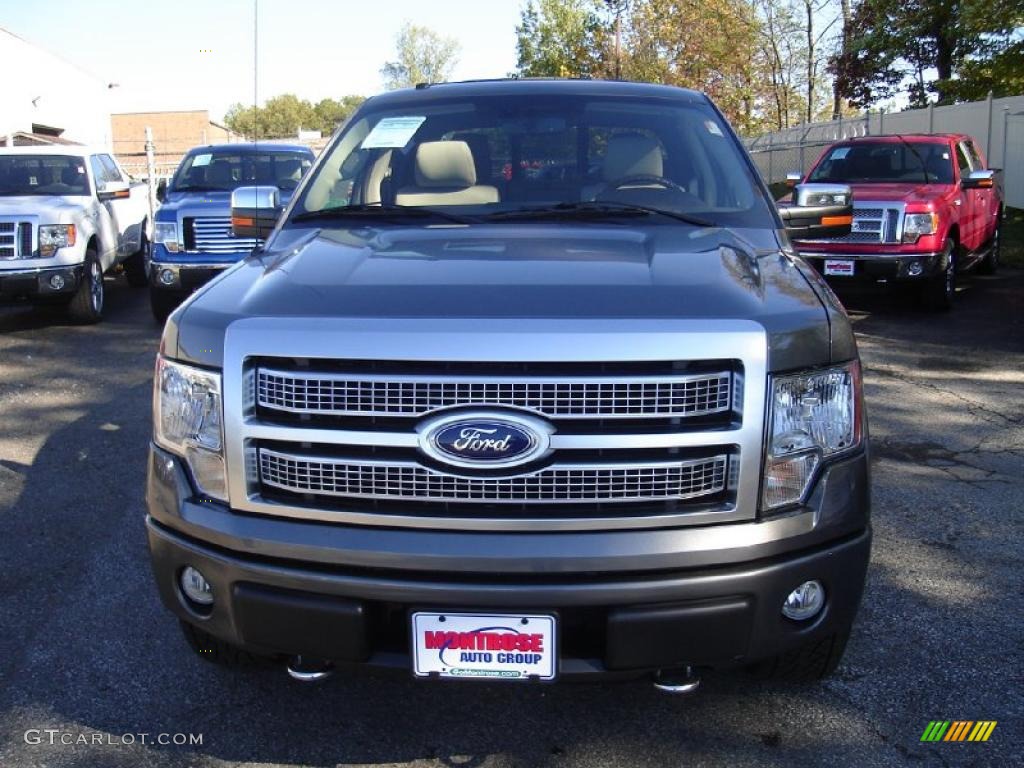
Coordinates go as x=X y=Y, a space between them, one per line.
x=1012 y=250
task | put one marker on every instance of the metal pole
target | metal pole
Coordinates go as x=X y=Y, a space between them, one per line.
x=881 y=120
x=931 y=118
x=988 y=133
x=867 y=122
x=1006 y=134
x=151 y=173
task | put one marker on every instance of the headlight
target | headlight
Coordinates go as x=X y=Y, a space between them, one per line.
x=187 y=421
x=813 y=416
x=54 y=236
x=166 y=233
x=917 y=224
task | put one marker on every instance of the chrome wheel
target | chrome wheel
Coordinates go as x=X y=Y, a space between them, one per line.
x=96 y=287
x=950 y=275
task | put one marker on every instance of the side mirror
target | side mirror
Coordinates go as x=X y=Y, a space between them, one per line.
x=792 y=179
x=818 y=211
x=979 y=180
x=254 y=211
x=114 y=190
x=161 y=190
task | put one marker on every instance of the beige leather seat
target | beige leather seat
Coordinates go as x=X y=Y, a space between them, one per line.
x=445 y=175
x=627 y=154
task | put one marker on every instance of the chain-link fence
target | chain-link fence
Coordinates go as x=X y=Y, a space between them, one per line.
x=996 y=124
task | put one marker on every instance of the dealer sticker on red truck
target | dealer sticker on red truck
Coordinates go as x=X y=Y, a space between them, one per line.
x=503 y=647
x=838 y=267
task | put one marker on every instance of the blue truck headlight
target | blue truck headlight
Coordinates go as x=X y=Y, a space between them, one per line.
x=166 y=233
x=54 y=236
x=813 y=416
x=188 y=422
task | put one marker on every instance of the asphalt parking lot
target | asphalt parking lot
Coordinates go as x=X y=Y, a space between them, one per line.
x=88 y=650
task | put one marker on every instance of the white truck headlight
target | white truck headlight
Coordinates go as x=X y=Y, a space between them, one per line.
x=54 y=236
x=166 y=233
x=188 y=422
x=813 y=416
x=916 y=225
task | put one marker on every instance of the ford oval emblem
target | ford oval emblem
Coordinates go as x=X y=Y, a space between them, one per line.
x=485 y=440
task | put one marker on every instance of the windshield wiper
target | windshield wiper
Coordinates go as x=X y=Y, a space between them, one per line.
x=598 y=208
x=365 y=210
x=912 y=148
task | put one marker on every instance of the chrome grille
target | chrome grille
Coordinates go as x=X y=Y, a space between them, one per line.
x=7 y=240
x=559 y=484
x=563 y=398
x=212 y=234
x=872 y=225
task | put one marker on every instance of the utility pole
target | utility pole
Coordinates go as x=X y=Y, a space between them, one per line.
x=151 y=173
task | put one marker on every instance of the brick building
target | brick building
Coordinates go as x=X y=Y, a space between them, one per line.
x=174 y=133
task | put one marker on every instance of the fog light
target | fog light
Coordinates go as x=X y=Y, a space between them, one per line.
x=915 y=268
x=196 y=587
x=804 y=602
x=57 y=282
x=167 y=276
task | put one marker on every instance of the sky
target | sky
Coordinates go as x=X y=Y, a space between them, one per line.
x=198 y=54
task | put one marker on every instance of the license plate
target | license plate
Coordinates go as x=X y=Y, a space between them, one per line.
x=484 y=646
x=838 y=267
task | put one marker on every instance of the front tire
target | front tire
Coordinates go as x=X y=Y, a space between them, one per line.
x=135 y=269
x=215 y=650
x=990 y=264
x=162 y=303
x=938 y=293
x=86 y=305
x=811 y=661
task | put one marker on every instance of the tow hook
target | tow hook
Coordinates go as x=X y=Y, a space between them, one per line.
x=676 y=680
x=307 y=670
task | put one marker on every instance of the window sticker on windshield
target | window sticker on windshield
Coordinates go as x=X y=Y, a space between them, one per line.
x=712 y=127
x=839 y=153
x=392 y=132
x=201 y=160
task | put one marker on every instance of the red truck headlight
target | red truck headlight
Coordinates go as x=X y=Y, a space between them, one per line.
x=813 y=416
x=917 y=225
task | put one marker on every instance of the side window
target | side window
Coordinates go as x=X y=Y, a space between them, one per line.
x=962 y=161
x=99 y=174
x=974 y=156
x=112 y=172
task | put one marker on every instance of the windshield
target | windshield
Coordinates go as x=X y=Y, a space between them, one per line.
x=42 y=175
x=224 y=171
x=915 y=162
x=500 y=157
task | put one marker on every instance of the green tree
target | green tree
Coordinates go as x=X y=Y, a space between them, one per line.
x=928 y=47
x=423 y=56
x=330 y=113
x=562 y=38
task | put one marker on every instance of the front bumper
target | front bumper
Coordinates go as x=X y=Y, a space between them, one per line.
x=880 y=267
x=627 y=601
x=184 y=272
x=39 y=281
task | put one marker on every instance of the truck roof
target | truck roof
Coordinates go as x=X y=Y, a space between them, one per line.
x=249 y=147
x=74 y=150
x=938 y=138
x=541 y=86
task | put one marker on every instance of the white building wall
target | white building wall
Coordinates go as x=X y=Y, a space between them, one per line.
x=38 y=87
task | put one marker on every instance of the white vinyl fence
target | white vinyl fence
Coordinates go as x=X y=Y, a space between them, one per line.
x=996 y=124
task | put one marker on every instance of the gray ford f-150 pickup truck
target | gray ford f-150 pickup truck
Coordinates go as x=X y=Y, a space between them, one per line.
x=526 y=383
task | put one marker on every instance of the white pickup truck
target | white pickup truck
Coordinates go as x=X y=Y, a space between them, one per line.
x=68 y=214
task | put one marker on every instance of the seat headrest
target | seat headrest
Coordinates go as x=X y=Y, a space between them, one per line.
x=218 y=172
x=630 y=154
x=444 y=164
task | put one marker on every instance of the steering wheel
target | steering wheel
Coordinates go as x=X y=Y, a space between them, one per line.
x=642 y=180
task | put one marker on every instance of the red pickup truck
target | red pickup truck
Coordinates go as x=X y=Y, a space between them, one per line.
x=925 y=208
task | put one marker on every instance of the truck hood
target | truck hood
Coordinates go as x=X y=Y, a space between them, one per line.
x=523 y=271
x=46 y=209
x=180 y=204
x=903 y=193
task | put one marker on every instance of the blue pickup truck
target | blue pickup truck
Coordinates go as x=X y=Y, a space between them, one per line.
x=192 y=239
